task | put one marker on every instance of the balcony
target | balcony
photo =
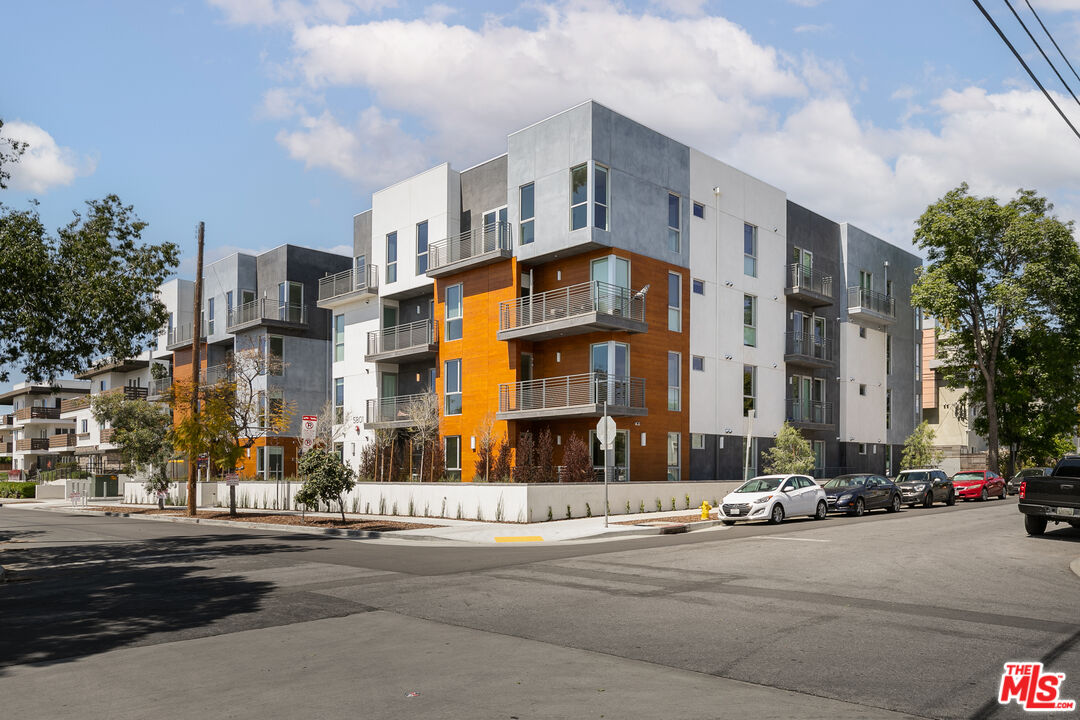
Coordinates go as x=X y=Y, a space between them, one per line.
x=810 y=415
x=404 y=343
x=63 y=441
x=180 y=336
x=807 y=350
x=574 y=310
x=335 y=290
x=808 y=285
x=31 y=444
x=106 y=436
x=391 y=412
x=37 y=413
x=473 y=248
x=870 y=308
x=572 y=396
x=8 y=419
x=6 y=448
x=266 y=312
x=217 y=373
x=159 y=387
x=76 y=403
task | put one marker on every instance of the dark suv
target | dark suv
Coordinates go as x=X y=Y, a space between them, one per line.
x=1013 y=486
x=925 y=486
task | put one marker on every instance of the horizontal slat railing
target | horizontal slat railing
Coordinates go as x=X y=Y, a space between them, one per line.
x=871 y=300
x=571 y=391
x=30 y=444
x=808 y=346
x=579 y=299
x=471 y=243
x=802 y=277
x=391 y=409
x=38 y=413
x=401 y=337
x=354 y=280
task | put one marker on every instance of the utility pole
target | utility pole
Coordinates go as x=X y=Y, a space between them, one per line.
x=196 y=332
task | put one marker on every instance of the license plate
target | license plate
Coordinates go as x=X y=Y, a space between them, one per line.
x=735 y=511
x=1066 y=511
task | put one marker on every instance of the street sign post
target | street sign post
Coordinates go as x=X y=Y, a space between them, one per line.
x=605 y=433
x=307 y=432
x=232 y=480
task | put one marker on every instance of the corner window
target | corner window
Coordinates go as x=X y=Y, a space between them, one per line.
x=674 y=381
x=339 y=338
x=674 y=302
x=452 y=386
x=579 y=196
x=749 y=250
x=699 y=210
x=674 y=440
x=339 y=401
x=697 y=362
x=453 y=312
x=528 y=214
x=674 y=243
x=749 y=321
x=749 y=374
x=699 y=287
x=391 y=257
x=600 y=197
x=452 y=455
x=421 y=247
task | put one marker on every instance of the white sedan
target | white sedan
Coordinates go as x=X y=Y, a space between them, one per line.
x=773 y=498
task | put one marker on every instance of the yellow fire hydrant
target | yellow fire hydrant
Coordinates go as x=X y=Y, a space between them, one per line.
x=705 y=508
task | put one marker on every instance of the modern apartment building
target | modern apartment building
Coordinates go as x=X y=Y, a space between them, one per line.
x=598 y=262
x=41 y=437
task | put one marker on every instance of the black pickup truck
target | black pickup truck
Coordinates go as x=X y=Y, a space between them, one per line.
x=1053 y=498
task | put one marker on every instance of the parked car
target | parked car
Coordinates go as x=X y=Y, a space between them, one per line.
x=1052 y=499
x=1013 y=485
x=773 y=498
x=978 y=485
x=925 y=486
x=860 y=493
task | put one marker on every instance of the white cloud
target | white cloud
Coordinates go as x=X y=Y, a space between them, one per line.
x=439 y=12
x=813 y=28
x=295 y=12
x=690 y=8
x=806 y=3
x=1057 y=5
x=44 y=164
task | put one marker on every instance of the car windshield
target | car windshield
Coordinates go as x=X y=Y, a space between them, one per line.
x=968 y=476
x=846 y=481
x=1030 y=472
x=759 y=485
x=912 y=477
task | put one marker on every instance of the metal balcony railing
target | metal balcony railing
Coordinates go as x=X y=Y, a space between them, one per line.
x=860 y=297
x=401 y=337
x=808 y=346
x=217 y=373
x=801 y=277
x=572 y=391
x=37 y=413
x=266 y=309
x=350 y=281
x=567 y=302
x=806 y=411
x=159 y=386
x=394 y=409
x=181 y=334
x=471 y=243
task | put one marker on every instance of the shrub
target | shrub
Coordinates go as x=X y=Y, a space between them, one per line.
x=501 y=471
x=545 y=454
x=526 y=457
x=17 y=489
x=577 y=461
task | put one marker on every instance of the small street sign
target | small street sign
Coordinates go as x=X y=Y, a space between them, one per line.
x=605 y=432
x=232 y=479
x=307 y=432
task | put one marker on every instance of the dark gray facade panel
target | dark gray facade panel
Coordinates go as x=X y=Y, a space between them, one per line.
x=483 y=188
x=407 y=374
x=362 y=235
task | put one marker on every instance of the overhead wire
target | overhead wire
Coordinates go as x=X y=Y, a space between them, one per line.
x=1042 y=52
x=1060 y=51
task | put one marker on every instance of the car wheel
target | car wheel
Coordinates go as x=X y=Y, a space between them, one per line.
x=985 y=495
x=950 y=500
x=1034 y=525
x=860 y=508
x=928 y=501
x=1004 y=493
x=728 y=522
x=822 y=510
x=777 y=515
x=895 y=507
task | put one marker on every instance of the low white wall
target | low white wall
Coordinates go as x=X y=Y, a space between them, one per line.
x=135 y=492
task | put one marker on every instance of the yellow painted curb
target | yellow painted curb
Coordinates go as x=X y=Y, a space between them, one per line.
x=520 y=538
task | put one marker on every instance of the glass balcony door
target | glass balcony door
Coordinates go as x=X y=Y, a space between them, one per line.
x=611 y=368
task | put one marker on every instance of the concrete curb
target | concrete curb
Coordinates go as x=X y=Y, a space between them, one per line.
x=1075 y=566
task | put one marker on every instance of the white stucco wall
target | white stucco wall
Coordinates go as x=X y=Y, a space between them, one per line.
x=862 y=361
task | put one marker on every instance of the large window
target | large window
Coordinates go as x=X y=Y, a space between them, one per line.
x=339 y=401
x=674 y=440
x=749 y=250
x=600 y=197
x=452 y=386
x=579 y=196
x=391 y=257
x=210 y=315
x=674 y=381
x=291 y=301
x=339 y=338
x=272 y=405
x=674 y=302
x=270 y=462
x=750 y=320
x=452 y=456
x=674 y=216
x=749 y=385
x=866 y=280
x=528 y=214
x=275 y=361
x=421 y=247
x=453 y=312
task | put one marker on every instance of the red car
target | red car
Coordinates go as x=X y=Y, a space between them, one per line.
x=978 y=485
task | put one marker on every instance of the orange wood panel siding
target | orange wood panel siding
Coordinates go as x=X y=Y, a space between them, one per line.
x=929 y=377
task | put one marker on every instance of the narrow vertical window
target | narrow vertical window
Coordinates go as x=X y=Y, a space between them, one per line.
x=391 y=257
x=339 y=338
x=339 y=401
x=579 y=197
x=674 y=217
x=453 y=312
x=210 y=313
x=888 y=353
x=360 y=272
x=421 y=247
x=674 y=381
x=276 y=360
x=888 y=409
x=674 y=302
x=228 y=307
x=749 y=250
x=674 y=440
x=528 y=213
x=452 y=386
x=452 y=455
x=699 y=210
x=600 y=197
x=749 y=375
x=749 y=320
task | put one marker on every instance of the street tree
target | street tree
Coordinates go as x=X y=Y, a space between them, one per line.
x=993 y=268
x=919 y=451
x=10 y=152
x=423 y=410
x=87 y=292
x=326 y=479
x=791 y=453
x=141 y=430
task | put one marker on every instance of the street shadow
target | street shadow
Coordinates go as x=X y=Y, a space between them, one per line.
x=9 y=535
x=67 y=602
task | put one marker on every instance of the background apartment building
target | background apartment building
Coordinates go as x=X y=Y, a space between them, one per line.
x=41 y=437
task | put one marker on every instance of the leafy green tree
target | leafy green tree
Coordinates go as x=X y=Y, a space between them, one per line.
x=919 y=450
x=993 y=268
x=10 y=152
x=142 y=431
x=88 y=292
x=326 y=478
x=792 y=453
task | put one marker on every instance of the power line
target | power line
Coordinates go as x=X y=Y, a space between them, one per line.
x=1041 y=52
x=1051 y=38
x=1029 y=72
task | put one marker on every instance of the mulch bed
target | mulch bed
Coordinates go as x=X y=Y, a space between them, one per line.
x=271 y=518
x=696 y=517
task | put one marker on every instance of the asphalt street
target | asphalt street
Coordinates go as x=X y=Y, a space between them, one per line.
x=882 y=616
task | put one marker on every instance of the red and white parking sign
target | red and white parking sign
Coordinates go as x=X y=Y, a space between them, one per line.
x=307 y=432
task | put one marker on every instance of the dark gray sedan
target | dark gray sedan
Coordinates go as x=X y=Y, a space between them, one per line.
x=925 y=486
x=1013 y=486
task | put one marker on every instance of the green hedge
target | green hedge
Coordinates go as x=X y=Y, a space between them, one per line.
x=17 y=489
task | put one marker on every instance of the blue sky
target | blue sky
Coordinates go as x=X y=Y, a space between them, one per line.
x=274 y=120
